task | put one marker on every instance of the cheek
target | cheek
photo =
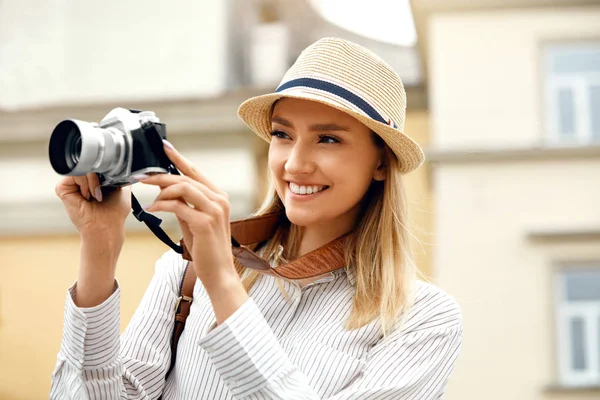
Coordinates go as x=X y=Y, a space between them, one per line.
x=275 y=161
x=355 y=177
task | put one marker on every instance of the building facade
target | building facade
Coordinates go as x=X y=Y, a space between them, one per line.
x=514 y=91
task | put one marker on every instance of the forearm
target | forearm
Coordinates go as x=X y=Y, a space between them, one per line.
x=98 y=262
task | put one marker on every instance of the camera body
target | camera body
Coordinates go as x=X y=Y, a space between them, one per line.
x=122 y=145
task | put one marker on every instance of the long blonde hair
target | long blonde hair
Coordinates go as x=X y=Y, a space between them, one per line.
x=380 y=252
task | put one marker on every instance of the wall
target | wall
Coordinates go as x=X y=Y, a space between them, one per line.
x=80 y=51
x=35 y=273
x=503 y=280
x=487 y=93
x=486 y=87
x=418 y=188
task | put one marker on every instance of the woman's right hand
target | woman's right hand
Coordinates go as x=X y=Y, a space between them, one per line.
x=91 y=214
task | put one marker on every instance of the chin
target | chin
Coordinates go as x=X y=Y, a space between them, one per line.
x=301 y=218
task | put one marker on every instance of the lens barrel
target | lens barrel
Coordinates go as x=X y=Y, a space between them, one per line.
x=79 y=147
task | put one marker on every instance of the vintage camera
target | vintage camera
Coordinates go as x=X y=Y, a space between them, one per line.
x=124 y=144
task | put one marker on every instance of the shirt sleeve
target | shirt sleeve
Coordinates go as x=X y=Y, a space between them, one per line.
x=250 y=359
x=95 y=362
x=411 y=365
x=415 y=366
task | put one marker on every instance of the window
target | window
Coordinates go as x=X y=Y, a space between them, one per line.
x=573 y=93
x=578 y=318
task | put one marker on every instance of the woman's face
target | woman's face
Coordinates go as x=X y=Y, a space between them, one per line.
x=323 y=161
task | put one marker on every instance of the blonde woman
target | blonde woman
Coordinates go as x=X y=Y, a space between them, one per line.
x=365 y=328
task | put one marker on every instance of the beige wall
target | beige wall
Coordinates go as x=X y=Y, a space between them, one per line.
x=34 y=276
x=487 y=92
x=503 y=280
x=485 y=72
x=418 y=187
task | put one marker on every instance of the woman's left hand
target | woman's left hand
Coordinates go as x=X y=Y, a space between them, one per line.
x=203 y=213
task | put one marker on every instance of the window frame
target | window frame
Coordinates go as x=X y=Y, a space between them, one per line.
x=579 y=84
x=565 y=312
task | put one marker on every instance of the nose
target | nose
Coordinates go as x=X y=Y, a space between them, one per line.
x=300 y=160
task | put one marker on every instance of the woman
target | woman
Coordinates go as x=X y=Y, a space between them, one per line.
x=364 y=331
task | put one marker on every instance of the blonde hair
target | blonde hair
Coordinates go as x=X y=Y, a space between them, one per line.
x=379 y=254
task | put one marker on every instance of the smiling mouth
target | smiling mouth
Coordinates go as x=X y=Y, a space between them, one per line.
x=306 y=190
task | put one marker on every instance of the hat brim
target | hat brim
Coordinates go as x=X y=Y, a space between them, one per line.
x=256 y=113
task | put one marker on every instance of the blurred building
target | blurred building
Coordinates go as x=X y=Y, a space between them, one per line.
x=192 y=63
x=514 y=89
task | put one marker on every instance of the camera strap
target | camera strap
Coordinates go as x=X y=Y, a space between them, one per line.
x=153 y=223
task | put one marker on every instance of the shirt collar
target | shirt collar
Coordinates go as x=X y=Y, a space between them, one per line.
x=350 y=275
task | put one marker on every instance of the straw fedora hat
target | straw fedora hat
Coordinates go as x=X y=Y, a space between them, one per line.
x=350 y=78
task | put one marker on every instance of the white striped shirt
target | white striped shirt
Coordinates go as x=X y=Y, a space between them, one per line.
x=270 y=348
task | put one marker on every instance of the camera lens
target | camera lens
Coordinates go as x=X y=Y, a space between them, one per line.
x=73 y=149
x=78 y=148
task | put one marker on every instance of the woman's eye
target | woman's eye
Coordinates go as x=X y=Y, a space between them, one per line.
x=280 y=134
x=328 y=139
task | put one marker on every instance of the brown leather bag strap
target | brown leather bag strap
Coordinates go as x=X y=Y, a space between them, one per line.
x=182 y=309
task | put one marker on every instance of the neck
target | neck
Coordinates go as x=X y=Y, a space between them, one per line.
x=313 y=237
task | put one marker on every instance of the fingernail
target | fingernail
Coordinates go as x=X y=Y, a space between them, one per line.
x=147 y=206
x=140 y=177
x=98 y=194
x=168 y=145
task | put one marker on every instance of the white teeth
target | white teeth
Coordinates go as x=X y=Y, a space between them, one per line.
x=305 y=189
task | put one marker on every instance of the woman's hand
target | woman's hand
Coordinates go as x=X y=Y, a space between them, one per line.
x=203 y=213
x=89 y=212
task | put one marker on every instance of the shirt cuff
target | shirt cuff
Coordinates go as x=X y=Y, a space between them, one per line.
x=246 y=352
x=91 y=335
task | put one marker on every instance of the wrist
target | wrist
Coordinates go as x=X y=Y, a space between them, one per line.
x=226 y=294
x=96 y=278
x=221 y=279
x=106 y=240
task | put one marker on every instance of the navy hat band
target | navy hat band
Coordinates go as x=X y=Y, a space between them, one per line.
x=336 y=90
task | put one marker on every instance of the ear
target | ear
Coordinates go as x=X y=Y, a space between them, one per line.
x=380 y=171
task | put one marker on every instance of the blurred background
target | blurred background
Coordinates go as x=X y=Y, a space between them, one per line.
x=504 y=95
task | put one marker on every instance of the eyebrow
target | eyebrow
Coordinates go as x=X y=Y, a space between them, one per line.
x=328 y=127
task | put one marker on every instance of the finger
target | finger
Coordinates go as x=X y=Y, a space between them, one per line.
x=84 y=188
x=66 y=186
x=186 y=167
x=191 y=194
x=186 y=233
x=165 y=180
x=177 y=207
x=94 y=185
